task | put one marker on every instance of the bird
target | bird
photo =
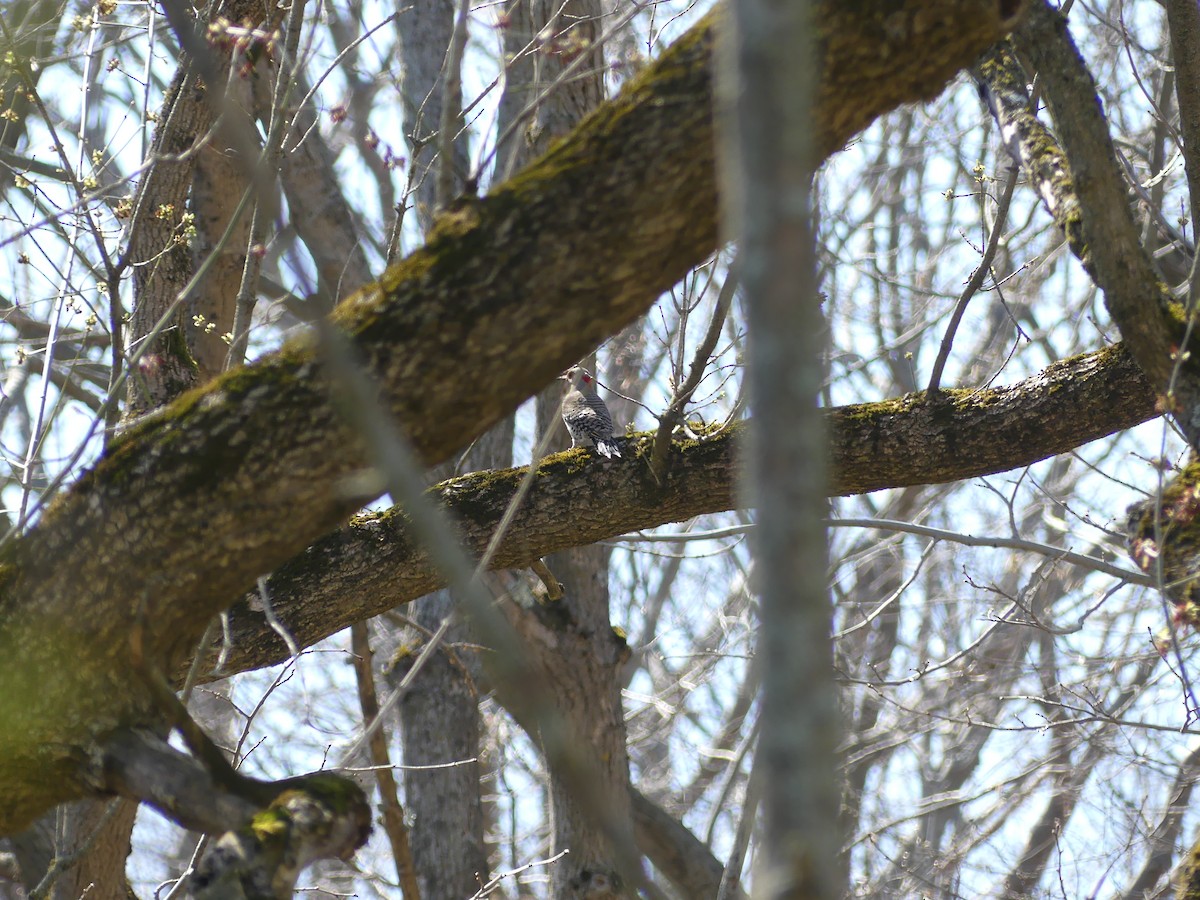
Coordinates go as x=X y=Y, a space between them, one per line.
x=585 y=415
x=1164 y=541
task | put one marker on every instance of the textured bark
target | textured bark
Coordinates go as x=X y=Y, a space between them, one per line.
x=861 y=53
x=141 y=764
x=158 y=250
x=440 y=724
x=424 y=37
x=1189 y=876
x=573 y=646
x=99 y=872
x=159 y=236
x=375 y=563
x=542 y=38
x=1072 y=401
x=440 y=727
x=314 y=819
x=571 y=642
x=218 y=184
x=439 y=716
x=268 y=831
x=578 y=654
x=192 y=503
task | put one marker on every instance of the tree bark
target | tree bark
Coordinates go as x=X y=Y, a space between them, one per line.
x=103 y=834
x=1154 y=325
x=424 y=39
x=581 y=662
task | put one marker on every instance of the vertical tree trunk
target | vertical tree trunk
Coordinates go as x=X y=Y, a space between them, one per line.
x=582 y=664
x=439 y=726
x=424 y=37
x=439 y=716
x=542 y=38
x=98 y=873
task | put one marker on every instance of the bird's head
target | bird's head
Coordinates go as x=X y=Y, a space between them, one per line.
x=1135 y=514
x=579 y=378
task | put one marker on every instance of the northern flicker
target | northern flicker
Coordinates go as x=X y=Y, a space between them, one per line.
x=1170 y=550
x=585 y=415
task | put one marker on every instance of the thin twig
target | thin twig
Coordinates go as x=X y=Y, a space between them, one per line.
x=268 y=610
x=490 y=887
x=393 y=812
x=969 y=540
x=976 y=282
x=683 y=394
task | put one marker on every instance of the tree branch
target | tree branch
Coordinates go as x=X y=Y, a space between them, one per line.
x=674 y=850
x=1153 y=324
x=373 y=564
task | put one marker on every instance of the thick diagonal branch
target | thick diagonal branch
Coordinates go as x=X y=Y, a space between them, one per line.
x=1153 y=325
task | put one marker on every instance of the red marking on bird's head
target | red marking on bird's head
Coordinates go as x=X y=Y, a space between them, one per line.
x=587 y=379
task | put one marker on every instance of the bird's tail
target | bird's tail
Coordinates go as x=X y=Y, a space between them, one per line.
x=608 y=448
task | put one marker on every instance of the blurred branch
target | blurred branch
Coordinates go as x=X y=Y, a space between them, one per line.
x=675 y=851
x=1014 y=543
x=770 y=67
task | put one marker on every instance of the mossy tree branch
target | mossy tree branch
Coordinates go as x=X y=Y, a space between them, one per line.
x=374 y=564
